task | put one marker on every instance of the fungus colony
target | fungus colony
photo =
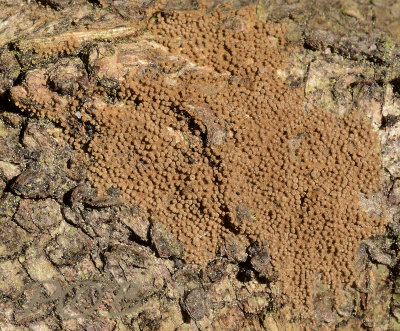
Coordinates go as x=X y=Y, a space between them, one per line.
x=226 y=148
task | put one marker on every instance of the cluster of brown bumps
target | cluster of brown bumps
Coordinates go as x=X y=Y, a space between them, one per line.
x=225 y=148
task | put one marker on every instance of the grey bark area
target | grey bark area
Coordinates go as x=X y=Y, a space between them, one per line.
x=98 y=264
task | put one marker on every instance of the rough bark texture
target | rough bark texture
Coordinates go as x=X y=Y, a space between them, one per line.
x=54 y=228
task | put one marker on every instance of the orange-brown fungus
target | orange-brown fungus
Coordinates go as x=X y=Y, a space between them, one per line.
x=57 y=47
x=211 y=142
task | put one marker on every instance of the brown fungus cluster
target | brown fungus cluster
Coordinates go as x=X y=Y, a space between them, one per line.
x=57 y=47
x=211 y=142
